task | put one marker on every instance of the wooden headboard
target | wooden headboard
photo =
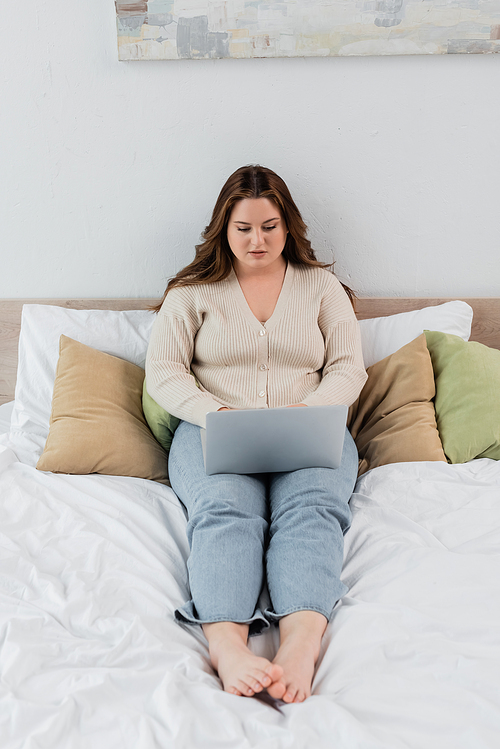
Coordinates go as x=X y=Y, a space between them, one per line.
x=485 y=326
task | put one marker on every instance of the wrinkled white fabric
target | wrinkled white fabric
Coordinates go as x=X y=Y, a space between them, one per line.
x=5 y=416
x=92 y=568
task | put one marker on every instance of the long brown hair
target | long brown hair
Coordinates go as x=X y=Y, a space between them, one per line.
x=214 y=260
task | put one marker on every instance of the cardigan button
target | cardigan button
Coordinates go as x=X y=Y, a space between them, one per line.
x=262 y=331
x=262 y=394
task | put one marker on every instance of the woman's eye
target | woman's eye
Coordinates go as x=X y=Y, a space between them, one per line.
x=246 y=229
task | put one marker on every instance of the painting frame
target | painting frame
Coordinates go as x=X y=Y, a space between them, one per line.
x=246 y=29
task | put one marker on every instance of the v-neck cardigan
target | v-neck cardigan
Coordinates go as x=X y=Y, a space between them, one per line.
x=309 y=351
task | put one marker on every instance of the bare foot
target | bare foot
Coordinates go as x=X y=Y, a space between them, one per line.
x=242 y=673
x=298 y=670
x=301 y=635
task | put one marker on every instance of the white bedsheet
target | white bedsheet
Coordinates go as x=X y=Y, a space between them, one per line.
x=92 y=567
x=5 y=415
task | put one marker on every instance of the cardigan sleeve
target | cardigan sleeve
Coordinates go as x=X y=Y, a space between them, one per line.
x=168 y=363
x=343 y=373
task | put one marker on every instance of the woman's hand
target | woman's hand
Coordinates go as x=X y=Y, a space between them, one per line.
x=294 y=405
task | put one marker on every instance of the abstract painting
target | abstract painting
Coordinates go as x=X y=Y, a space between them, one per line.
x=207 y=29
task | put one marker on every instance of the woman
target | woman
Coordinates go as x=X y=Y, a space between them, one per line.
x=260 y=323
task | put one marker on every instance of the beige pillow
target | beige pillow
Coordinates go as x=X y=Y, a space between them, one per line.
x=97 y=424
x=393 y=420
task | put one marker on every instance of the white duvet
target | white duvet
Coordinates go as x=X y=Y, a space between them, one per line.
x=92 y=567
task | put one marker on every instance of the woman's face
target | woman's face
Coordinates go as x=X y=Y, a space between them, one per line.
x=256 y=233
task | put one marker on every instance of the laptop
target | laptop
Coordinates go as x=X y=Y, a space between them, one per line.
x=273 y=440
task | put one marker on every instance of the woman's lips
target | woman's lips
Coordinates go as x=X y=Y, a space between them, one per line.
x=258 y=253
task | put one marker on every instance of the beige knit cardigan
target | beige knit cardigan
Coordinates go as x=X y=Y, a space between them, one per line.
x=309 y=351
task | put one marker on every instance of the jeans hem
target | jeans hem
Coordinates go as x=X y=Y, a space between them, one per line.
x=272 y=616
x=257 y=623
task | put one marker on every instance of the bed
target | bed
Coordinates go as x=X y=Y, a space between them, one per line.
x=92 y=565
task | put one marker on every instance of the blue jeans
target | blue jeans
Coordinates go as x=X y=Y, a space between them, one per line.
x=285 y=529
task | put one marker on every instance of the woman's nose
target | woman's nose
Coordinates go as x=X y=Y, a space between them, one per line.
x=258 y=237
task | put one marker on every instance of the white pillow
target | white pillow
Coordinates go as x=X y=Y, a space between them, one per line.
x=123 y=334
x=382 y=336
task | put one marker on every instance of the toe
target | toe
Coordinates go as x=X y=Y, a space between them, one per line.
x=256 y=680
x=259 y=676
x=289 y=695
x=244 y=689
x=274 y=672
x=259 y=679
x=277 y=690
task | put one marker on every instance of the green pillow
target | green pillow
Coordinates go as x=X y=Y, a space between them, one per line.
x=467 y=403
x=161 y=423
